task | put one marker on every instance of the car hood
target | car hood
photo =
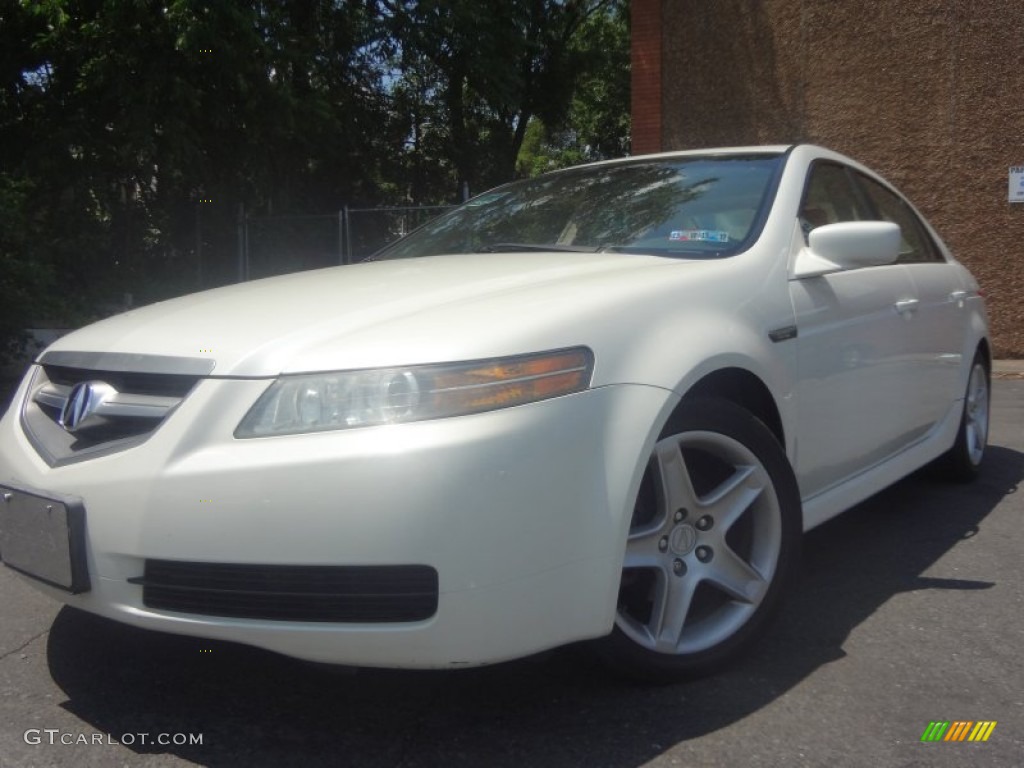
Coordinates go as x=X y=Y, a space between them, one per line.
x=380 y=313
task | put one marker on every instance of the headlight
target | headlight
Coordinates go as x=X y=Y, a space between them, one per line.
x=323 y=401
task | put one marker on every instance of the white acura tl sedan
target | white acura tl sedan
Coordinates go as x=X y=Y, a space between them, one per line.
x=602 y=404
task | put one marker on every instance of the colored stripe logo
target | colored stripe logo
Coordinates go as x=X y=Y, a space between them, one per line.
x=958 y=730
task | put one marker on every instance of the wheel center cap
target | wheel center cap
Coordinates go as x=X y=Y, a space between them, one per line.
x=683 y=539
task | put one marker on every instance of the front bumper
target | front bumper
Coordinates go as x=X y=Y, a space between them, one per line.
x=522 y=512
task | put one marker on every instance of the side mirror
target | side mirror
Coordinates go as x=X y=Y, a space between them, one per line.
x=848 y=245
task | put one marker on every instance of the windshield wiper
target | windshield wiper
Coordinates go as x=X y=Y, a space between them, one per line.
x=502 y=247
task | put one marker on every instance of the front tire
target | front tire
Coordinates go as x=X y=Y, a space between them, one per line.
x=712 y=545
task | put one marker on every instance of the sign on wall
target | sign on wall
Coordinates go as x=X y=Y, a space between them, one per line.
x=1017 y=184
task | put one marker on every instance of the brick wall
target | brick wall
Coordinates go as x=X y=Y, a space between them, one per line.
x=930 y=93
x=645 y=62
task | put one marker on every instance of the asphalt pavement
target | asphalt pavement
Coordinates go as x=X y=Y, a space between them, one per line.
x=909 y=610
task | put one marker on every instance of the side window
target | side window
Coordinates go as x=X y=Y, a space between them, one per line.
x=830 y=197
x=916 y=245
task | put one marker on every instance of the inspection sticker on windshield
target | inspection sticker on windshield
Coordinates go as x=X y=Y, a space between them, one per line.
x=701 y=235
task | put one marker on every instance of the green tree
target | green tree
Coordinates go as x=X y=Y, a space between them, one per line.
x=132 y=133
x=492 y=67
x=597 y=123
x=25 y=280
x=126 y=115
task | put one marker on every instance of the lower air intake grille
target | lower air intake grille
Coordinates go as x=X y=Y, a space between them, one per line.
x=375 y=593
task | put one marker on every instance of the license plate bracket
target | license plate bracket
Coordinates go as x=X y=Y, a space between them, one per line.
x=42 y=535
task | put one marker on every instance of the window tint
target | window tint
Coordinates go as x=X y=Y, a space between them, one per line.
x=830 y=197
x=916 y=245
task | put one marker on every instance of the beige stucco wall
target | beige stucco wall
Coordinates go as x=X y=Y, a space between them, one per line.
x=929 y=93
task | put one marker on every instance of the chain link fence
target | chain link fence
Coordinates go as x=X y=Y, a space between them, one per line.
x=228 y=246
x=275 y=245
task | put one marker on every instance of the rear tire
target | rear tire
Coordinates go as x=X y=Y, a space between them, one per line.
x=962 y=462
x=712 y=546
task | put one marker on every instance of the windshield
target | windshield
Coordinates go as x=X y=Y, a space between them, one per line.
x=691 y=207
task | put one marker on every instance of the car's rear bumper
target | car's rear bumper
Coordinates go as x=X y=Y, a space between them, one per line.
x=522 y=513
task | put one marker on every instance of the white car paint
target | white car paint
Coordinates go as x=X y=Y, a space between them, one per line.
x=524 y=511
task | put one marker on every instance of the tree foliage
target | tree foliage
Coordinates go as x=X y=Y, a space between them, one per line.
x=490 y=69
x=133 y=133
x=596 y=122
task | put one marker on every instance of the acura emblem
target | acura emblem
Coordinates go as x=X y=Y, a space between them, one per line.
x=683 y=539
x=80 y=410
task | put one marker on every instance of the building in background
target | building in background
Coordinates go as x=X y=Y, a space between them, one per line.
x=930 y=93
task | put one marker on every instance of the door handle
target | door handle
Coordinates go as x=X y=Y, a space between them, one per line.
x=957 y=297
x=906 y=306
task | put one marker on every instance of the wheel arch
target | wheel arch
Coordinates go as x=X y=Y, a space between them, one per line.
x=745 y=389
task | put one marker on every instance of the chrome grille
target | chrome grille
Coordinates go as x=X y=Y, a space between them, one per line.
x=127 y=397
